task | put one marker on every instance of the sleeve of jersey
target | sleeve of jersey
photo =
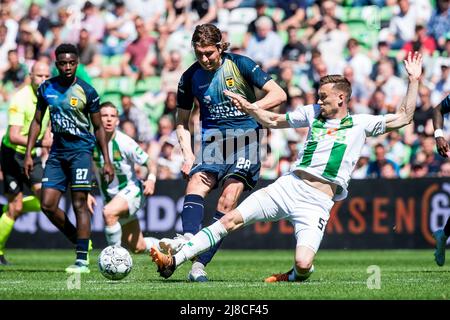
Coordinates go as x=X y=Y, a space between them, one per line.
x=93 y=100
x=16 y=116
x=185 y=98
x=445 y=104
x=136 y=154
x=252 y=72
x=375 y=125
x=298 y=118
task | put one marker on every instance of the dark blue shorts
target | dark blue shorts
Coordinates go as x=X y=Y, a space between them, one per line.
x=242 y=164
x=62 y=169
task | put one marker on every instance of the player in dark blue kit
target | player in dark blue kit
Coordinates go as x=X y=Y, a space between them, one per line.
x=74 y=113
x=443 y=148
x=230 y=148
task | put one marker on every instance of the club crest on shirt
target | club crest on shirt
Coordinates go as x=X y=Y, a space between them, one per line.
x=229 y=82
x=73 y=101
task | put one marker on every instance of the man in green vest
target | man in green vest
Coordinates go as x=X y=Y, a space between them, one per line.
x=20 y=114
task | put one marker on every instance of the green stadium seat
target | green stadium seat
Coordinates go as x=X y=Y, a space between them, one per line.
x=99 y=85
x=148 y=84
x=386 y=13
x=119 y=85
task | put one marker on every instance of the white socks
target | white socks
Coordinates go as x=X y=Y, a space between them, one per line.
x=150 y=242
x=201 y=242
x=113 y=234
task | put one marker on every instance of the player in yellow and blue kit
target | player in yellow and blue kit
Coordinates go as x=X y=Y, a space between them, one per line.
x=74 y=113
x=230 y=150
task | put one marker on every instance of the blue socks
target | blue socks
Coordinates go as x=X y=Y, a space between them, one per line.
x=192 y=214
x=207 y=256
x=82 y=249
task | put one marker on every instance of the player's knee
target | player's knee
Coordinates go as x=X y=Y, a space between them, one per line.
x=303 y=264
x=48 y=208
x=79 y=205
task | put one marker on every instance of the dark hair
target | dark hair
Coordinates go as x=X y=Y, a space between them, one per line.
x=66 y=48
x=207 y=35
x=340 y=83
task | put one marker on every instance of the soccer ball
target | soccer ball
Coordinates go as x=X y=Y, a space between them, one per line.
x=115 y=262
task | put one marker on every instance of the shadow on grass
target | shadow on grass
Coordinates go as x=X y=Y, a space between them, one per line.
x=11 y=269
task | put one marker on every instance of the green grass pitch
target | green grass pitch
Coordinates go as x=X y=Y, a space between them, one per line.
x=234 y=275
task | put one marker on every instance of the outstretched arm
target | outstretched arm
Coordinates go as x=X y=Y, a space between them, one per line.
x=438 y=123
x=405 y=113
x=266 y=118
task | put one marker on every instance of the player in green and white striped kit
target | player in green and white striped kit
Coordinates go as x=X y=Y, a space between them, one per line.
x=306 y=195
x=125 y=195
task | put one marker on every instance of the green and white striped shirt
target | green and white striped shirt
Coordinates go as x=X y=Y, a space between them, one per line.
x=333 y=146
x=124 y=152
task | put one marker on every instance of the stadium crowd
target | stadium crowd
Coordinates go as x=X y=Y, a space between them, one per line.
x=134 y=51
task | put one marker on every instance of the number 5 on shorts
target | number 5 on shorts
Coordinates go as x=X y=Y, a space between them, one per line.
x=81 y=174
x=321 y=224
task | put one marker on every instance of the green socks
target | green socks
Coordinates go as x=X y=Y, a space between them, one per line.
x=6 y=226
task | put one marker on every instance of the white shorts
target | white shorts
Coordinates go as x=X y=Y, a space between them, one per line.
x=290 y=198
x=133 y=195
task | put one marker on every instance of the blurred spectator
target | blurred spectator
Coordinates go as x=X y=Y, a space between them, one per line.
x=331 y=41
x=139 y=59
x=424 y=112
x=265 y=47
x=169 y=161
x=432 y=159
x=151 y=11
x=388 y=171
x=362 y=165
x=360 y=62
x=132 y=113
x=374 y=170
x=391 y=85
x=377 y=103
x=36 y=21
x=205 y=11
x=93 y=21
x=260 y=7
x=53 y=39
x=442 y=87
x=360 y=92
x=383 y=54
x=287 y=162
x=421 y=42
x=71 y=26
x=419 y=170
x=290 y=13
x=439 y=23
x=172 y=71
x=444 y=170
x=17 y=72
x=398 y=151
x=89 y=55
x=29 y=43
x=5 y=47
x=402 y=25
x=170 y=104
x=11 y=24
x=129 y=129
x=294 y=50
x=120 y=30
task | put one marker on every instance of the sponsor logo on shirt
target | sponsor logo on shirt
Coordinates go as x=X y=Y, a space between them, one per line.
x=229 y=82
x=73 y=101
